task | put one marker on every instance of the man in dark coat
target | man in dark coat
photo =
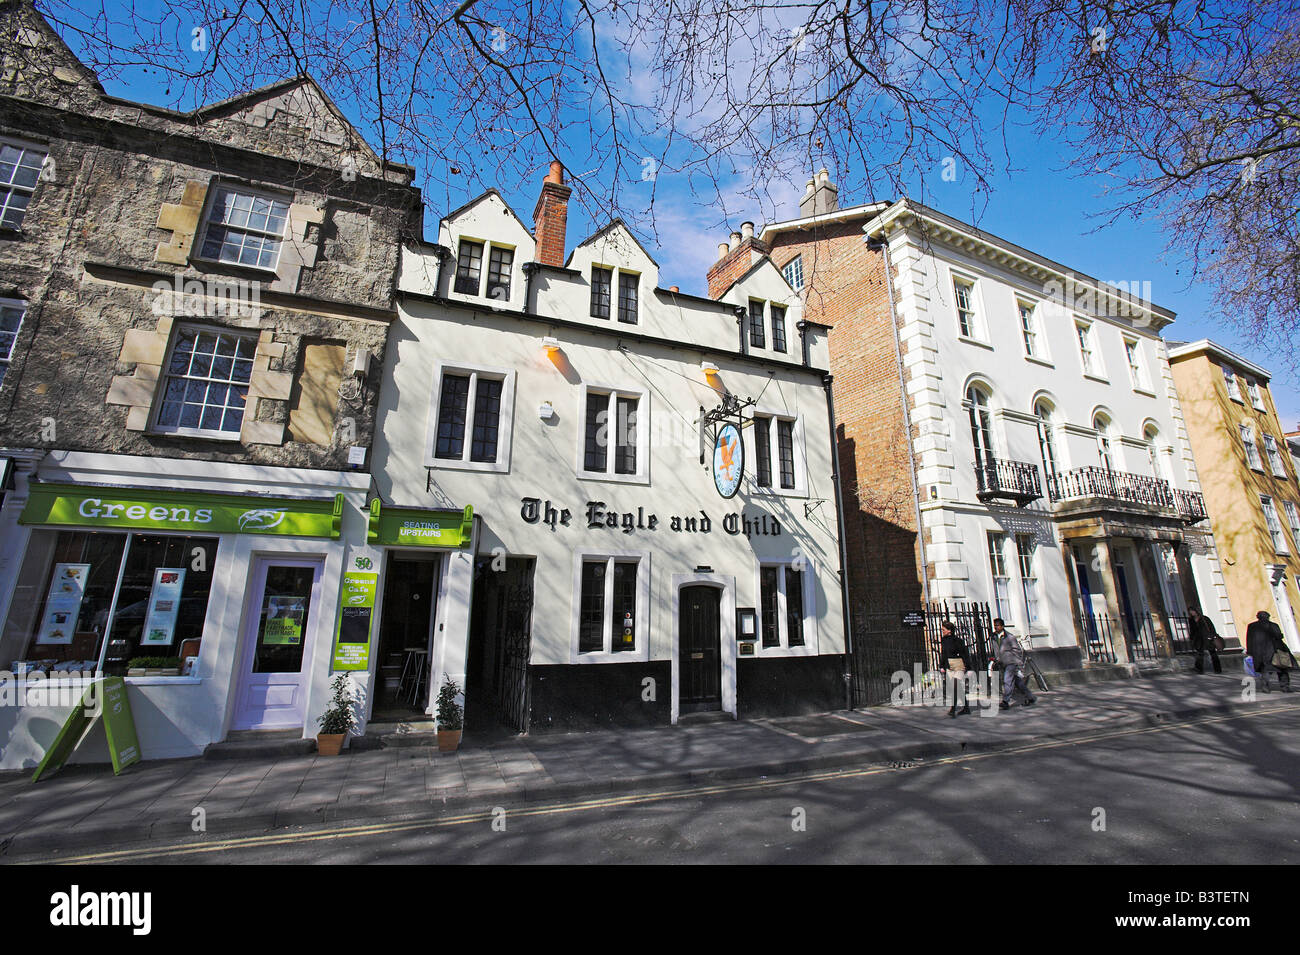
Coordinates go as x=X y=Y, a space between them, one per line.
x=1264 y=641
x=1203 y=635
x=955 y=659
x=1012 y=657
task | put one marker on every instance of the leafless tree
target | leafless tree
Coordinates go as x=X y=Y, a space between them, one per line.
x=1186 y=109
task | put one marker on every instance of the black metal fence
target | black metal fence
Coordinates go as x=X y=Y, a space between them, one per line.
x=1010 y=479
x=1142 y=640
x=1098 y=642
x=883 y=646
x=1180 y=635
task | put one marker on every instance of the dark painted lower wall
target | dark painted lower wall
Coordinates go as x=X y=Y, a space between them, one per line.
x=566 y=698
x=1058 y=658
x=789 y=685
x=599 y=695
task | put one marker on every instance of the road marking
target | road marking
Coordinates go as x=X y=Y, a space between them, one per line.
x=629 y=799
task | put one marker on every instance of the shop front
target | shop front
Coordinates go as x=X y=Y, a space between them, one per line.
x=217 y=607
x=425 y=568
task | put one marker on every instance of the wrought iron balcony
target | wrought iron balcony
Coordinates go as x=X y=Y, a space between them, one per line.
x=1191 y=506
x=1007 y=480
x=1114 y=486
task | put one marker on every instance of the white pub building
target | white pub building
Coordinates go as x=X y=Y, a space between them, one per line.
x=639 y=487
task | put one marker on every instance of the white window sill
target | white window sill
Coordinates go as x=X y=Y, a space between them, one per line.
x=1040 y=361
x=1141 y=390
x=805 y=651
x=164 y=680
x=614 y=478
x=270 y=272
x=1237 y=398
x=975 y=341
x=233 y=438
x=451 y=464
x=602 y=656
x=1093 y=376
x=759 y=491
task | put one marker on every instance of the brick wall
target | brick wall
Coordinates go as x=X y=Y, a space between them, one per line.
x=733 y=265
x=845 y=288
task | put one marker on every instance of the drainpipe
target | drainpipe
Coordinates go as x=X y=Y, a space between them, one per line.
x=839 y=517
x=442 y=254
x=741 y=315
x=530 y=269
x=883 y=246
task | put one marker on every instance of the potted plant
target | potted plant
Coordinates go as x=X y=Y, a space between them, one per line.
x=338 y=720
x=451 y=716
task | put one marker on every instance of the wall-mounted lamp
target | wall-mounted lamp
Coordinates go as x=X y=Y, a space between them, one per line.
x=551 y=345
x=546 y=411
x=709 y=369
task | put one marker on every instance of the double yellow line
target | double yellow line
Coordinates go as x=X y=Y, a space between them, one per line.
x=610 y=802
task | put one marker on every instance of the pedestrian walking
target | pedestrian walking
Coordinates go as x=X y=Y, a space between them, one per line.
x=1012 y=657
x=1205 y=639
x=956 y=664
x=1268 y=648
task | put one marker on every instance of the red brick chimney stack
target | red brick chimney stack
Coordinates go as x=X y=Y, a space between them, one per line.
x=551 y=216
x=735 y=258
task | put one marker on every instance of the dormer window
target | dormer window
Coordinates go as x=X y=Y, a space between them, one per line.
x=245 y=228
x=602 y=281
x=778 y=328
x=793 y=272
x=627 y=296
x=757 y=336
x=469 y=263
x=499 y=263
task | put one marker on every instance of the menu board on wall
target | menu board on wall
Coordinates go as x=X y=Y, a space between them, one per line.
x=63 y=603
x=164 y=605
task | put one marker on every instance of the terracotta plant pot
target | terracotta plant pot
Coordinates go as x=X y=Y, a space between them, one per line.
x=329 y=744
x=448 y=740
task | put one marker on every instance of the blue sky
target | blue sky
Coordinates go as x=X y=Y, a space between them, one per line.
x=1038 y=205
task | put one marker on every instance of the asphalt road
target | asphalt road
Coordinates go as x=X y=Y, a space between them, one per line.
x=1217 y=791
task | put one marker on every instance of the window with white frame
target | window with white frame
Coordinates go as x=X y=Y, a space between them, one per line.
x=1087 y=351
x=1230 y=382
x=611 y=599
x=1029 y=329
x=602 y=284
x=1256 y=397
x=1292 y=518
x=470 y=418
x=1046 y=443
x=793 y=272
x=500 y=262
x=614 y=436
x=20 y=170
x=776 y=456
x=205 y=384
x=11 y=322
x=1274 y=525
x=785 y=604
x=1001 y=581
x=245 y=227
x=757 y=336
x=1274 y=458
x=1252 y=450
x=1136 y=369
x=1026 y=548
x=602 y=293
x=968 y=323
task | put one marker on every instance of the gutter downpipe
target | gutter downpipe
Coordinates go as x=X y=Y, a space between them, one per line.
x=839 y=515
x=883 y=245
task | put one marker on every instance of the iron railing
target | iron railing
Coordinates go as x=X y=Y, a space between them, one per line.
x=1180 y=635
x=882 y=647
x=974 y=624
x=1111 y=485
x=1141 y=638
x=1014 y=480
x=1191 y=506
x=1097 y=642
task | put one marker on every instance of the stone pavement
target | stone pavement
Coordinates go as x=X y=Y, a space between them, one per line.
x=87 y=807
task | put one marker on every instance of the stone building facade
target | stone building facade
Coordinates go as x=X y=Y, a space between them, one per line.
x=196 y=305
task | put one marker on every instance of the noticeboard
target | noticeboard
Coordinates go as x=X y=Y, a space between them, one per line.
x=912 y=618
x=356 y=620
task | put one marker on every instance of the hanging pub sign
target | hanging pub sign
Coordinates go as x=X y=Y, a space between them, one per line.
x=728 y=460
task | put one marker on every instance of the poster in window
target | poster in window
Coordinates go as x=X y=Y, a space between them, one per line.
x=164 y=605
x=284 y=617
x=63 y=603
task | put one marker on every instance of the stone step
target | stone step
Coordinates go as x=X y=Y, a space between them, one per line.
x=257 y=744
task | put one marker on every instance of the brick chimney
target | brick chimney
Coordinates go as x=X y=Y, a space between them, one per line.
x=822 y=195
x=551 y=216
x=735 y=258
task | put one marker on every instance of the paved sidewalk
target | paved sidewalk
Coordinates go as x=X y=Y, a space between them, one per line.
x=86 y=807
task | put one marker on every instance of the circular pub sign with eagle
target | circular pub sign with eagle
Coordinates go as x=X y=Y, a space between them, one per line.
x=728 y=460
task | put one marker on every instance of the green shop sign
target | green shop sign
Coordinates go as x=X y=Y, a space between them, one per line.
x=408 y=527
x=136 y=508
x=356 y=612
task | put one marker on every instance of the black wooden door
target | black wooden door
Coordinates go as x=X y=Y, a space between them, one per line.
x=700 y=652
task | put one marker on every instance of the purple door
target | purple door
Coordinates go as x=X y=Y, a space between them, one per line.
x=277 y=644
